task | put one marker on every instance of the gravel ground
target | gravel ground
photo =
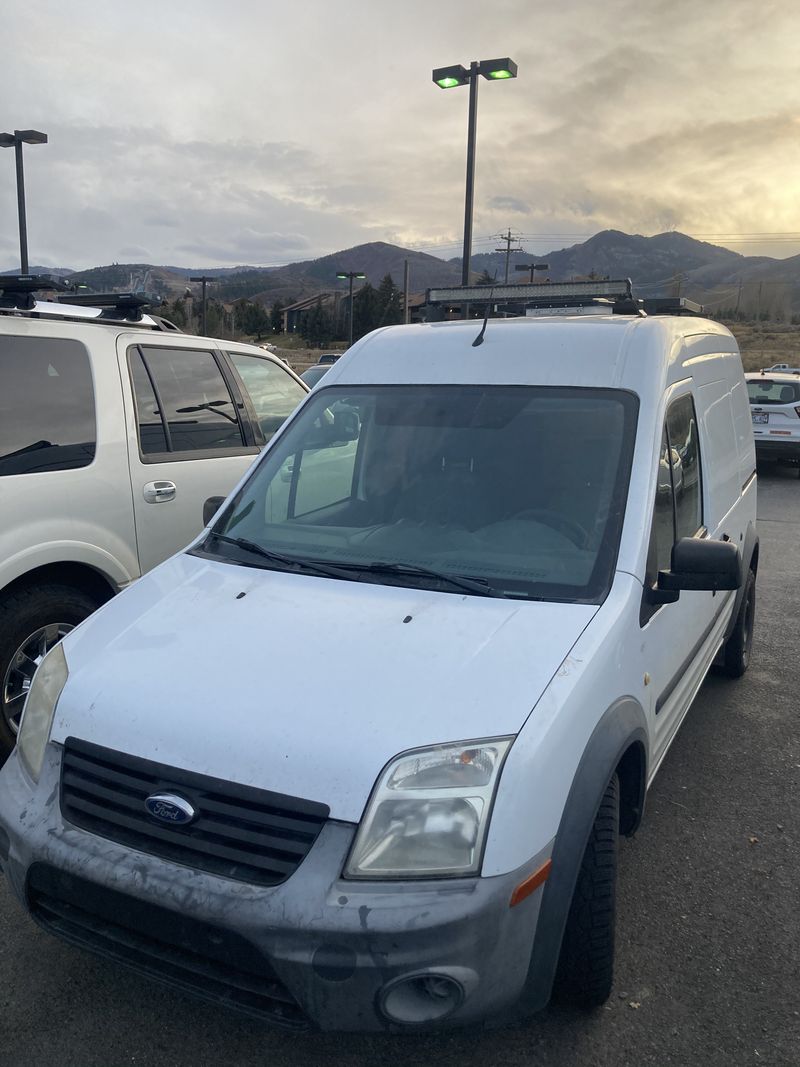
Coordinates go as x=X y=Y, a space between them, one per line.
x=708 y=968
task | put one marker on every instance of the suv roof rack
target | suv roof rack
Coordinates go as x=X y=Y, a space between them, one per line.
x=614 y=295
x=123 y=305
x=16 y=290
x=17 y=296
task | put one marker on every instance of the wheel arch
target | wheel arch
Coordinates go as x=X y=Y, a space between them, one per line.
x=78 y=575
x=619 y=744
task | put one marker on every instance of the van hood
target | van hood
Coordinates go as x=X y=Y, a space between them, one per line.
x=303 y=685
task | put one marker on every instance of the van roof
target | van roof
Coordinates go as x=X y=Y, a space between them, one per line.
x=638 y=353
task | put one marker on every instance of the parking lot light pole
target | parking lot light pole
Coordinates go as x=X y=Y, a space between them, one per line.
x=350 y=274
x=450 y=78
x=16 y=140
x=204 y=278
x=532 y=267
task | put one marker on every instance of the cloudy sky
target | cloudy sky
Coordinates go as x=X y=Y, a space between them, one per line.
x=203 y=133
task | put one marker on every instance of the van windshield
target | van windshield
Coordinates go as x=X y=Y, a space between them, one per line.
x=512 y=491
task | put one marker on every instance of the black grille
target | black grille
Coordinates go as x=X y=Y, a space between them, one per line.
x=239 y=832
x=206 y=960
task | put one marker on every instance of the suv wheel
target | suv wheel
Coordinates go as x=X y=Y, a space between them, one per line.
x=586 y=964
x=31 y=622
x=739 y=644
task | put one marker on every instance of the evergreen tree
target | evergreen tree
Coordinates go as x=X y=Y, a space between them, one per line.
x=176 y=312
x=389 y=302
x=276 y=316
x=366 y=311
x=317 y=325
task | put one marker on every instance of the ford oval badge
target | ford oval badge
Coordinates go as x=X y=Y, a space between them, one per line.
x=166 y=807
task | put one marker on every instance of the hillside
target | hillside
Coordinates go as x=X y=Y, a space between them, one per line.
x=665 y=264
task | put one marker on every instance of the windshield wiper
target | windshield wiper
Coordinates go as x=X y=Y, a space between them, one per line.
x=480 y=586
x=291 y=562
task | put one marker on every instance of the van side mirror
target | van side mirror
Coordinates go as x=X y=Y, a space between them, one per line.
x=211 y=507
x=699 y=563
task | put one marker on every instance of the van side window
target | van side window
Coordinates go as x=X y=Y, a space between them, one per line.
x=685 y=457
x=182 y=402
x=678 y=510
x=662 y=535
x=47 y=415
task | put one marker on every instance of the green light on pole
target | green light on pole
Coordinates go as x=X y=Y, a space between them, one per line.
x=448 y=78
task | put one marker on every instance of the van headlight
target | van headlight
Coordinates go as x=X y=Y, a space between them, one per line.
x=428 y=813
x=40 y=705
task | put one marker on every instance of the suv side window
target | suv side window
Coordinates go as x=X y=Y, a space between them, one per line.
x=183 y=403
x=47 y=417
x=678 y=510
x=273 y=392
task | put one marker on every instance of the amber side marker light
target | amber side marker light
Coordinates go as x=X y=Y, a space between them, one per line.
x=531 y=884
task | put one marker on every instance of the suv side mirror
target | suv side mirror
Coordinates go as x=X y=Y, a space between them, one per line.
x=211 y=507
x=699 y=563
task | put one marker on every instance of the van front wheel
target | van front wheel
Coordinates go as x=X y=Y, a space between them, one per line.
x=739 y=644
x=586 y=963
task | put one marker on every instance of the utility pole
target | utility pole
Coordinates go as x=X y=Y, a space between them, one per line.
x=406 y=317
x=508 y=239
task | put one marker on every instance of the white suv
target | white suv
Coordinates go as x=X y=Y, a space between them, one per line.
x=515 y=564
x=113 y=433
x=775 y=411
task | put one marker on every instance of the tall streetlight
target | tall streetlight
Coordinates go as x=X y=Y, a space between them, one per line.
x=16 y=140
x=204 y=278
x=350 y=274
x=532 y=267
x=449 y=78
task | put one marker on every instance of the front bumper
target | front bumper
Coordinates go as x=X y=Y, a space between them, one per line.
x=315 y=951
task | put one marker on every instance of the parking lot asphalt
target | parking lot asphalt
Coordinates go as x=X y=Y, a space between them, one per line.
x=708 y=965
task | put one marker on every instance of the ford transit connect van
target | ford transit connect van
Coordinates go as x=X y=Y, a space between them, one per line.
x=516 y=563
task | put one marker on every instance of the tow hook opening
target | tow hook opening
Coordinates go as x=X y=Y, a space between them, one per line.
x=421 y=998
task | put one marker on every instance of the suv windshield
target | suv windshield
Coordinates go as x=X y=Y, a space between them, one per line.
x=769 y=391
x=507 y=490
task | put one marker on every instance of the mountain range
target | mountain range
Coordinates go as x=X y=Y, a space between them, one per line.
x=667 y=264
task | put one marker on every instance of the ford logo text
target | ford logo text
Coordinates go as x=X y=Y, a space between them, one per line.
x=166 y=807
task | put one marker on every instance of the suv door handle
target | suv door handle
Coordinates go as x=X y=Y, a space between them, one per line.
x=156 y=492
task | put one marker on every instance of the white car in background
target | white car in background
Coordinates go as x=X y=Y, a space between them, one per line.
x=775 y=410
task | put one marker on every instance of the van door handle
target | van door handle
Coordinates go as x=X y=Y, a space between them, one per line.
x=157 y=492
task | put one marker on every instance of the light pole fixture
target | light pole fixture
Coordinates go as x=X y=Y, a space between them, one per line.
x=204 y=278
x=16 y=140
x=532 y=267
x=450 y=78
x=350 y=274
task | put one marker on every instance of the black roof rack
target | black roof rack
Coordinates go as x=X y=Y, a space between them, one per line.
x=671 y=305
x=114 y=305
x=615 y=295
x=17 y=295
x=16 y=290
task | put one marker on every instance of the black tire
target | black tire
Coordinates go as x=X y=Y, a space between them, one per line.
x=21 y=615
x=586 y=964
x=739 y=644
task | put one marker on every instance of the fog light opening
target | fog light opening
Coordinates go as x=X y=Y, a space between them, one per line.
x=421 y=998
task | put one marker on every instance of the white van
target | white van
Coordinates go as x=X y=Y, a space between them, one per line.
x=359 y=758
